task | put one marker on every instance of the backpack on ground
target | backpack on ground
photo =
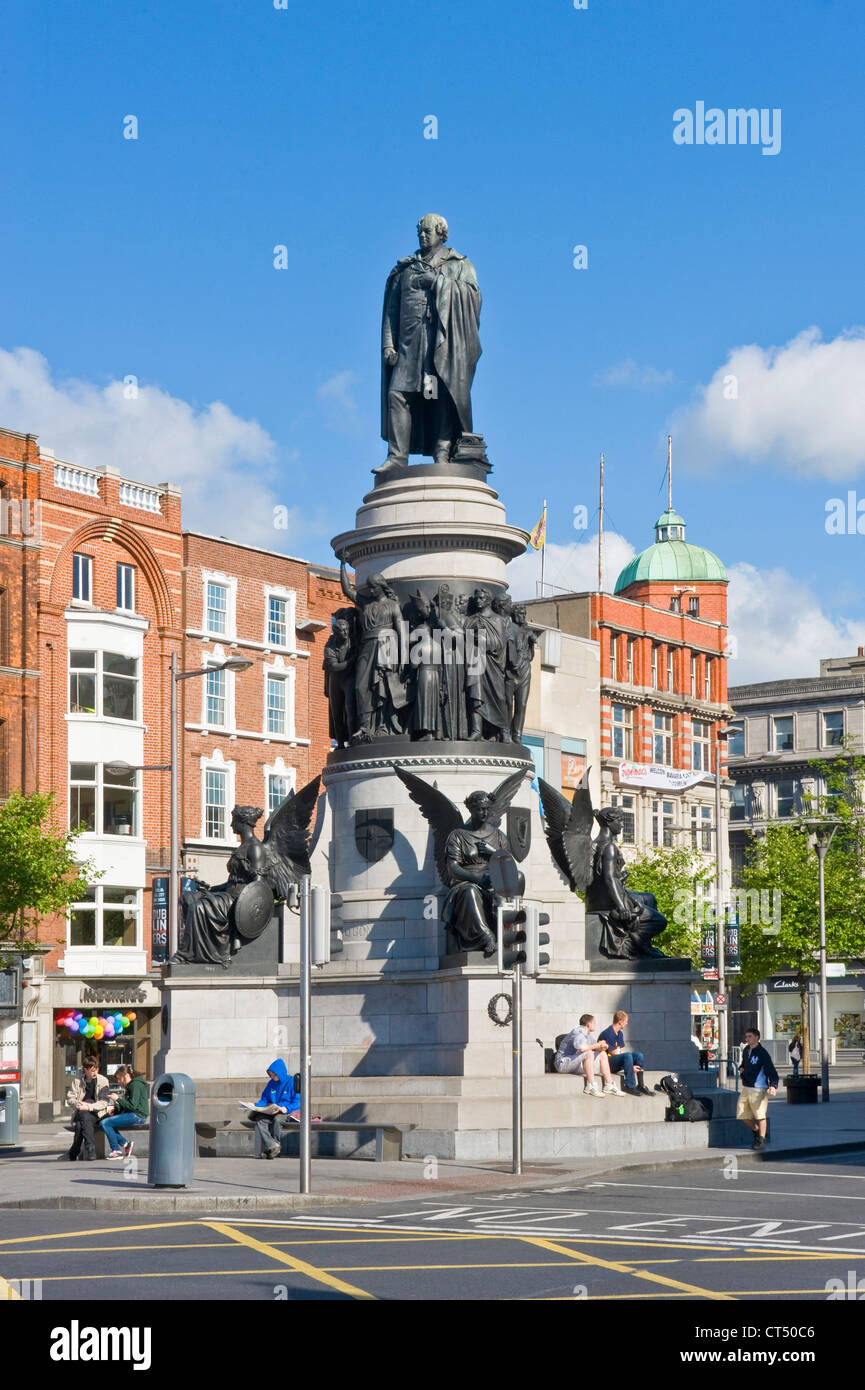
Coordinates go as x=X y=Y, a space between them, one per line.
x=683 y=1104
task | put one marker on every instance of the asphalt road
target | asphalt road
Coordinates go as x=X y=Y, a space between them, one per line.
x=776 y=1231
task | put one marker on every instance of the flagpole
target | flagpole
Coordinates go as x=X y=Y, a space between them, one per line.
x=669 y=472
x=544 y=546
x=601 y=534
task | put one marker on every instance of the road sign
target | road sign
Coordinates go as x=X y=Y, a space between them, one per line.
x=720 y=1001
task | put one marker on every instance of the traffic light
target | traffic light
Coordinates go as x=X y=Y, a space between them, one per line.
x=511 y=937
x=536 y=959
x=319 y=924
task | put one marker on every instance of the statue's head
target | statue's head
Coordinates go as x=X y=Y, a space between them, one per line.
x=478 y=804
x=482 y=598
x=518 y=613
x=502 y=604
x=432 y=231
x=377 y=587
x=341 y=629
x=245 y=815
x=611 y=817
x=445 y=598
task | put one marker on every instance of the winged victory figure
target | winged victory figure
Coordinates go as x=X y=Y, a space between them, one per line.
x=217 y=921
x=462 y=854
x=628 y=921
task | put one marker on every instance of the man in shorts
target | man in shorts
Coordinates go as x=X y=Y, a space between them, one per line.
x=576 y=1055
x=759 y=1082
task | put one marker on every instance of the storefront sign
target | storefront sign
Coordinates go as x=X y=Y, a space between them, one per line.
x=113 y=994
x=672 y=779
x=778 y=983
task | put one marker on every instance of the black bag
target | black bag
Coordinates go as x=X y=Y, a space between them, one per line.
x=684 y=1105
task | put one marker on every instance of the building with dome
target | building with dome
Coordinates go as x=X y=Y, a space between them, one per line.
x=662 y=635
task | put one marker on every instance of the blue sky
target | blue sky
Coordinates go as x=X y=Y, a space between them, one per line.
x=304 y=126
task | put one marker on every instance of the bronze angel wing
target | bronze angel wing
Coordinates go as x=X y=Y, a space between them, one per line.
x=438 y=810
x=568 y=828
x=504 y=794
x=286 y=837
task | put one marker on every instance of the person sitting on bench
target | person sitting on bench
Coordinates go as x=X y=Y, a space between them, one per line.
x=129 y=1109
x=280 y=1093
x=576 y=1054
x=88 y=1100
x=624 y=1058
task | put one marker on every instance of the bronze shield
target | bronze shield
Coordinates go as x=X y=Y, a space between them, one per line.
x=519 y=831
x=253 y=909
x=373 y=833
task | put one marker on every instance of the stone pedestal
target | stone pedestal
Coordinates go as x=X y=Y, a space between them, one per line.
x=403 y=1029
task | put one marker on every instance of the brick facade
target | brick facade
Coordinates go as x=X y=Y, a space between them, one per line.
x=286 y=647
x=19 y=560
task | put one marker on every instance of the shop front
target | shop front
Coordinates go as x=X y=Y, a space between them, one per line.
x=782 y=1011
x=118 y=1023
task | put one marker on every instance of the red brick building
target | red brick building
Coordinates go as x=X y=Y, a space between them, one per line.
x=663 y=695
x=99 y=586
x=251 y=737
x=19 y=560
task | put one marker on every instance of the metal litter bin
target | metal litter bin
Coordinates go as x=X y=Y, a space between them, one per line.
x=171 y=1160
x=801 y=1090
x=8 y=1114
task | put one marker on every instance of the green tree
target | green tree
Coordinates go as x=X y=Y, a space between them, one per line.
x=39 y=873
x=783 y=861
x=681 y=880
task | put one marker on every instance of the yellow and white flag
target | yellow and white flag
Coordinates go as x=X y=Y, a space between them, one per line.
x=538 y=538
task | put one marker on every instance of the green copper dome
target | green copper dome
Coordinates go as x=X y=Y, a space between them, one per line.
x=672 y=558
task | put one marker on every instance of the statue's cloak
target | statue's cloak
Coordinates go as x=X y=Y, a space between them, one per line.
x=456 y=345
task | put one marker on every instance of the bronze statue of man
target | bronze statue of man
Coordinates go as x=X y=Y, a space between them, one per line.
x=430 y=348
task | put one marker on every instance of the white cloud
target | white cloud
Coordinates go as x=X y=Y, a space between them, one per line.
x=341 y=408
x=800 y=407
x=779 y=628
x=631 y=374
x=569 y=568
x=214 y=455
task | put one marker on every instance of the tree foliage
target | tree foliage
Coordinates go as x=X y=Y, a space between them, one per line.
x=39 y=873
x=681 y=880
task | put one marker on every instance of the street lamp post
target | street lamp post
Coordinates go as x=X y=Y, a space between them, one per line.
x=822 y=835
x=720 y=922
x=234 y=663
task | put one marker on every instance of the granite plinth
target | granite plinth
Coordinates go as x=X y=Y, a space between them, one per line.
x=257 y=957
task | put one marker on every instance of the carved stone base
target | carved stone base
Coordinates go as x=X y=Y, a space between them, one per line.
x=257 y=957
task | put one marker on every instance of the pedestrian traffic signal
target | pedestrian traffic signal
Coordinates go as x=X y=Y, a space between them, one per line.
x=536 y=959
x=319 y=924
x=511 y=937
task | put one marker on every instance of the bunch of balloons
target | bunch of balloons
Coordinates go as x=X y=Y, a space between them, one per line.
x=96 y=1026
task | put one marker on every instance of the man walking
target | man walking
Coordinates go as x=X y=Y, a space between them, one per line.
x=759 y=1082
x=623 y=1058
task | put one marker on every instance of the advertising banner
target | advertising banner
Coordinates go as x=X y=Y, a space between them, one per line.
x=672 y=779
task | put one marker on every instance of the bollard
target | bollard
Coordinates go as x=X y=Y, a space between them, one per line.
x=8 y=1114
x=171 y=1160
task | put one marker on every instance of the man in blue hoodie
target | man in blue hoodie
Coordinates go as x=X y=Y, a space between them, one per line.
x=280 y=1092
x=759 y=1082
